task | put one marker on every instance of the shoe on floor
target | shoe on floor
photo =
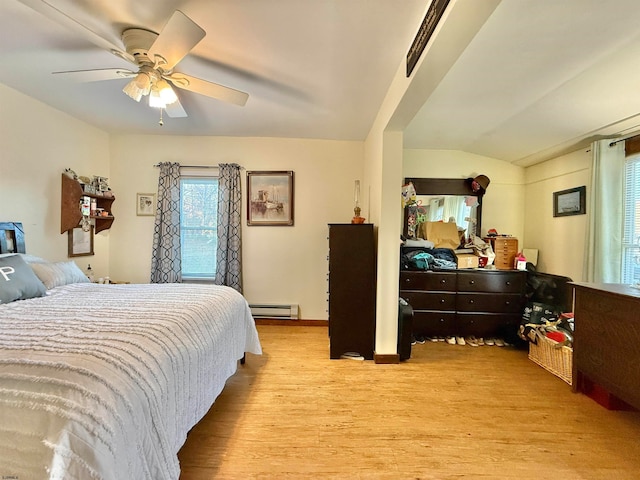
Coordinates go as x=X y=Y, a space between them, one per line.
x=499 y=342
x=420 y=339
x=434 y=339
x=489 y=341
x=451 y=340
x=471 y=341
x=480 y=341
x=460 y=340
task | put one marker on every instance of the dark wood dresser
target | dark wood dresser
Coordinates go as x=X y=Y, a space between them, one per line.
x=606 y=348
x=483 y=303
x=352 y=289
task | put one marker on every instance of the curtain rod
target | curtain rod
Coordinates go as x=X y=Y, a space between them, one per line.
x=624 y=138
x=191 y=166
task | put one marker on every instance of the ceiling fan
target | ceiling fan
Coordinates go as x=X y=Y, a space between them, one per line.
x=155 y=56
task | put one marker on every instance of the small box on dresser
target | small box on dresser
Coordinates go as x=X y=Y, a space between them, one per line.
x=506 y=249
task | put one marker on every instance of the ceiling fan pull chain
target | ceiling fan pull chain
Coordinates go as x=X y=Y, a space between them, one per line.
x=161 y=123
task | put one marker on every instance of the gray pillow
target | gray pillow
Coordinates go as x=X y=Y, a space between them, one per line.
x=17 y=280
x=60 y=273
x=26 y=257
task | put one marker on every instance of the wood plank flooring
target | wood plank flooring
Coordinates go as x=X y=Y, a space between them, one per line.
x=449 y=412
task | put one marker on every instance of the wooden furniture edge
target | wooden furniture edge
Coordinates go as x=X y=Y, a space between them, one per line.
x=386 y=358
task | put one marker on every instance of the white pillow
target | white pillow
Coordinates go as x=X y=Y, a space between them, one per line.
x=58 y=274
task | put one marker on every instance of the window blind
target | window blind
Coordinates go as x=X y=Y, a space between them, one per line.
x=631 y=222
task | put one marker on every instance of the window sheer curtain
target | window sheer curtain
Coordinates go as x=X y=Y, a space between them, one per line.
x=603 y=250
x=166 y=256
x=229 y=253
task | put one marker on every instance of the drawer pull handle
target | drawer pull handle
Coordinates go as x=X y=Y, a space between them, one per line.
x=442 y=300
x=471 y=301
x=508 y=283
x=507 y=303
x=471 y=282
x=443 y=281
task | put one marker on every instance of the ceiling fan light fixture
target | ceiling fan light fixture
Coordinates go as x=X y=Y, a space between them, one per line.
x=143 y=82
x=167 y=94
x=155 y=100
x=139 y=86
x=133 y=91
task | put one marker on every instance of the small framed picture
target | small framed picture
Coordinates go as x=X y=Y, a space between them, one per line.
x=570 y=202
x=146 y=204
x=270 y=198
x=80 y=242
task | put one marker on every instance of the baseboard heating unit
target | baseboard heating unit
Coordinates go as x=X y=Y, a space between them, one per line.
x=282 y=312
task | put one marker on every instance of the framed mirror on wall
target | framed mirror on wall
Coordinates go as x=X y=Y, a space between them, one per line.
x=440 y=199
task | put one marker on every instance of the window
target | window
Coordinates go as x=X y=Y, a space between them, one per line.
x=198 y=226
x=631 y=232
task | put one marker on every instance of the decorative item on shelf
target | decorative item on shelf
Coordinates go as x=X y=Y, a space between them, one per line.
x=357 y=218
x=100 y=185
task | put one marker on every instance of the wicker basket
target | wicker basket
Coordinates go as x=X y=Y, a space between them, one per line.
x=551 y=357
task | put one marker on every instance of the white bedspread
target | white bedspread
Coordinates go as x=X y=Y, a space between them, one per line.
x=105 y=381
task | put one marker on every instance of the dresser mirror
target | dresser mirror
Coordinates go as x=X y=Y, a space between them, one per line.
x=442 y=198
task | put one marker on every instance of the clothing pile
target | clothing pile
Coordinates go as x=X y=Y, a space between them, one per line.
x=427 y=259
x=542 y=320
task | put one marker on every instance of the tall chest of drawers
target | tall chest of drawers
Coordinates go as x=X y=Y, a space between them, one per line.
x=352 y=289
x=483 y=303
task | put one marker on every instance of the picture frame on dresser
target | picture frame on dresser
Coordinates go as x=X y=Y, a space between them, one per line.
x=80 y=242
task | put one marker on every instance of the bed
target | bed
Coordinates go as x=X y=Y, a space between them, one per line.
x=105 y=381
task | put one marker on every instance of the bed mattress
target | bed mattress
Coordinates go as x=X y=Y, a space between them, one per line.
x=105 y=381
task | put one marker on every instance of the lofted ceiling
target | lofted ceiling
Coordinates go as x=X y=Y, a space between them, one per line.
x=540 y=77
x=312 y=68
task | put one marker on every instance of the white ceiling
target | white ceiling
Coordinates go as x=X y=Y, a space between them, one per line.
x=312 y=68
x=541 y=77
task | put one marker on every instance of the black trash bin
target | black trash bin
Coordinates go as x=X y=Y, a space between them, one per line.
x=405 y=326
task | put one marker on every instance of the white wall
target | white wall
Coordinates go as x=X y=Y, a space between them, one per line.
x=38 y=143
x=503 y=203
x=280 y=264
x=560 y=240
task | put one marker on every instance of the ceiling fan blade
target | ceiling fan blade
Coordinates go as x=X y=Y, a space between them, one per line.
x=96 y=75
x=65 y=20
x=176 y=39
x=175 y=110
x=209 y=89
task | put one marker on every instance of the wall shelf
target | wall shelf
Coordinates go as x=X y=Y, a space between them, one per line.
x=71 y=215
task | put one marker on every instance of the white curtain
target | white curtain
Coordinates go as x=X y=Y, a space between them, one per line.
x=603 y=250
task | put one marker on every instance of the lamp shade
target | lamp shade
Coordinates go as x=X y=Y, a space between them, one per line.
x=166 y=92
x=155 y=100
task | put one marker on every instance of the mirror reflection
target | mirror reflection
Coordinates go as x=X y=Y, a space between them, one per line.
x=460 y=209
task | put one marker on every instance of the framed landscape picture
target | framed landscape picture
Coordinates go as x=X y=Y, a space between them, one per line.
x=570 y=202
x=270 y=198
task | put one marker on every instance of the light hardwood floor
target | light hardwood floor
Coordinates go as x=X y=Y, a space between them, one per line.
x=449 y=412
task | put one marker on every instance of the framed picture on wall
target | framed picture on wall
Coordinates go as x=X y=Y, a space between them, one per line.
x=146 y=204
x=570 y=202
x=270 y=198
x=80 y=242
